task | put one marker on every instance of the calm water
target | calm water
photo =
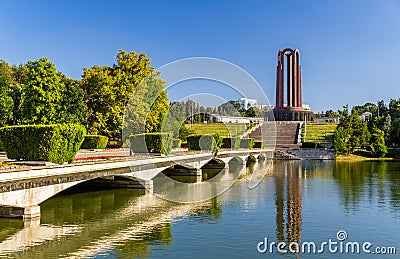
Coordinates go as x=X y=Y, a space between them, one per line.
x=298 y=201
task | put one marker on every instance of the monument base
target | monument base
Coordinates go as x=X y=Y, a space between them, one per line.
x=293 y=115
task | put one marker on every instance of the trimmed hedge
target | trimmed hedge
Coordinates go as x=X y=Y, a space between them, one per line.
x=176 y=143
x=231 y=143
x=57 y=143
x=309 y=145
x=201 y=142
x=246 y=143
x=151 y=143
x=94 y=142
x=259 y=144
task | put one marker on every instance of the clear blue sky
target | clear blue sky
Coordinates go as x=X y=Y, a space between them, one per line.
x=349 y=49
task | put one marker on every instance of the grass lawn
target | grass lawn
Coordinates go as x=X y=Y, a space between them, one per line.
x=354 y=157
x=225 y=130
x=318 y=132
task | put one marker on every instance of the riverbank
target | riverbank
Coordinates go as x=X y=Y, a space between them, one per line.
x=354 y=157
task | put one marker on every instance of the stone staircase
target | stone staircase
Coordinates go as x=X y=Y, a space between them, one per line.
x=286 y=134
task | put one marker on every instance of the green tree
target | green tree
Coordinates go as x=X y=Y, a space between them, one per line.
x=387 y=124
x=253 y=112
x=72 y=108
x=42 y=93
x=378 y=147
x=5 y=100
x=127 y=88
x=341 y=140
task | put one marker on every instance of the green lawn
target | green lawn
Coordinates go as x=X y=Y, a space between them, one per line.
x=225 y=130
x=318 y=132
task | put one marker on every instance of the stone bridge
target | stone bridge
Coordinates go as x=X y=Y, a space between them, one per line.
x=21 y=192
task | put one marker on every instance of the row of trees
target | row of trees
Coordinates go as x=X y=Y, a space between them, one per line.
x=381 y=129
x=36 y=93
x=233 y=108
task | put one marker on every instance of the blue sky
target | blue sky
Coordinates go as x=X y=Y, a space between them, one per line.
x=349 y=48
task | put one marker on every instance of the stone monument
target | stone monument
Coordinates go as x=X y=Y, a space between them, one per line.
x=293 y=109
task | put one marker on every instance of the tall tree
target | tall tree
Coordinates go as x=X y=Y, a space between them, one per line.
x=42 y=93
x=5 y=100
x=111 y=92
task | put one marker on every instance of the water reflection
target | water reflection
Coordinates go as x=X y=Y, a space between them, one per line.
x=375 y=182
x=288 y=200
x=85 y=224
x=132 y=224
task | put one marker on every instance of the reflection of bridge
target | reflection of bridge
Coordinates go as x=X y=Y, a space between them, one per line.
x=123 y=218
x=21 y=192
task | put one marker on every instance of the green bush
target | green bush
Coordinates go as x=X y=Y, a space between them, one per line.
x=309 y=145
x=94 y=142
x=233 y=143
x=176 y=143
x=57 y=143
x=201 y=142
x=1 y=147
x=151 y=143
x=259 y=144
x=246 y=143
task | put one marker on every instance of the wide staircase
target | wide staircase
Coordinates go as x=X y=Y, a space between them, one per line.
x=285 y=133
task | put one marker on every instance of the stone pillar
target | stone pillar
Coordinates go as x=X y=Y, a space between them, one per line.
x=24 y=212
x=279 y=80
x=294 y=80
x=289 y=80
x=298 y=79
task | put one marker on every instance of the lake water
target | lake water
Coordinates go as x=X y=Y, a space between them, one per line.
x=297 y=202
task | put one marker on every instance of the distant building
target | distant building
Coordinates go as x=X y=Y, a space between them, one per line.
x=247 y=103
x=366 y=116
x=215 y=118
x=326 y=119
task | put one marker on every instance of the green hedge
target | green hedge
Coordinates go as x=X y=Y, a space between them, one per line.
x=233 y=143
x=151 y=143
x=259 y=144
x=201 y=142
x=1 y=146
x=309 y=145
x=176 y=143
x=246 y=143
x=57 y=143
x=94 y=142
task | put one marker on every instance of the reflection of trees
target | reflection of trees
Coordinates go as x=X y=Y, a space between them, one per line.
x=139 y=248
x=288 y=199
x=357 y=179
x=371 y=181
x=9 y=227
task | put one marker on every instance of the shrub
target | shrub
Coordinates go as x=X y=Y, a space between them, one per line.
x=176 y=143
x=57 y=143
x=151 y=143
x=233 y=143
x=309 y=145
x=94 y=142
x=259 y=144
x=246 y=143
x=201 y=142
x=1 y=146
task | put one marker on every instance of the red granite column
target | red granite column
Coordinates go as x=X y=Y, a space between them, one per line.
x=294 y=86
x=279 y=81
x=299 y=93
x=289 y=81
